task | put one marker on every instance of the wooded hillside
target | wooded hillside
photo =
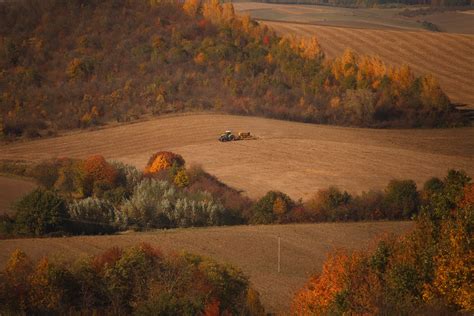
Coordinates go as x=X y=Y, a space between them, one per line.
x=82 y=63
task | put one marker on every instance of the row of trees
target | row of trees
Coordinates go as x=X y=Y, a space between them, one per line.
x=139 y=280
x=427 y=272
x=399 y=200
x=119 y=60
x=94 y=196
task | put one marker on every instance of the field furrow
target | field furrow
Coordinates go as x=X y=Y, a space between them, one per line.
x=449 y=57
x=291 y=157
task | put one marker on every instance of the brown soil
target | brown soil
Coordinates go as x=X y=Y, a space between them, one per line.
x=449 y=57
x=12 y=189
x=292 y=157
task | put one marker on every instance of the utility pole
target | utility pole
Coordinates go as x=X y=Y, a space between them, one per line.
x=279 y=253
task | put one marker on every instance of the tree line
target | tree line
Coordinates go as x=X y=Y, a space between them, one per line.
x=140 y=280
x=427 y=272
x=96 y=196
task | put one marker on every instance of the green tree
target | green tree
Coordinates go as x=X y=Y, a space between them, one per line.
x=41 y=212
x=273 y=206
x=402 y=198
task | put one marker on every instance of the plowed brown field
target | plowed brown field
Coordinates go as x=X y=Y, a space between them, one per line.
x=252 y=248
x=292 y=157
x=449 y=57
x=10 y=190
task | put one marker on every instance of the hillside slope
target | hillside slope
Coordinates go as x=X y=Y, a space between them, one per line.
x=76 y=64
x=449 y=57
x=252 y=248
x=295 y=158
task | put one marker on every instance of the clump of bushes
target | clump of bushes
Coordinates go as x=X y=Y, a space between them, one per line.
x=137 y=280
x=94 y=196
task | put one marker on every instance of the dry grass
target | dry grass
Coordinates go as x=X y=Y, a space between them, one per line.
x=253 y=248
x=292 y=157
x=11 y=189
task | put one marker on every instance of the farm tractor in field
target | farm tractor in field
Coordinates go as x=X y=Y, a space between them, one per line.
x=228 y=136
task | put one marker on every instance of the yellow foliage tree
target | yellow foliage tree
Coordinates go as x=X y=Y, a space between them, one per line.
x=454 y=268
x=431 y=93
x=228 y=12
x=310 y=48
x=212 y=11
x=402 y=78
x=42 y=295
x=181 y=178
x=192 y=7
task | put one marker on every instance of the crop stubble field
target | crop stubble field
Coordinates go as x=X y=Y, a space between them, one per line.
x=447 y=56
x=295 y=158
x=304 y=248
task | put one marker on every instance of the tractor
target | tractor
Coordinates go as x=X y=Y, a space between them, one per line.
x=227 y=137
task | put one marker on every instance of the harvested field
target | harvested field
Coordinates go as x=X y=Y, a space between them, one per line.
x=11 y=189
x=384 y=32
x=295 y=158
x=408 y=18
x=252 y=248
x=449 y=57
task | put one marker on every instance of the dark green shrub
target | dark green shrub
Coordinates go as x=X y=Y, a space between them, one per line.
x=402 y=199
x=274 y=206
x=42 y=212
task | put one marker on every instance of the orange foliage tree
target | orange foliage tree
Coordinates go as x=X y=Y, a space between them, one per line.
x=430 y=269
x=318 y=294
x=163 y=160
x=97 y=171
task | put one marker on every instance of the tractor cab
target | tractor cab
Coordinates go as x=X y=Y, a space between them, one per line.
x=226 y=136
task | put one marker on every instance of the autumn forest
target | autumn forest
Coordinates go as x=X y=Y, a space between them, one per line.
x=83 y=66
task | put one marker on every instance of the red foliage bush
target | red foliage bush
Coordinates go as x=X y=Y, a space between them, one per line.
x=98 y=169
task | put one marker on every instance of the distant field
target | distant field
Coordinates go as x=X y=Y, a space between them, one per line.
x=292 y=157
x=452 y=21
x=252 y=248
x=449 y=57
x=10 y=190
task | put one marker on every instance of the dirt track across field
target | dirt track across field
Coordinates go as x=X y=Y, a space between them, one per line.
x=304 y=248
x=292 y=157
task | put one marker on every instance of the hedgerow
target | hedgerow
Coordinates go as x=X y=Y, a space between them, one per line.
x=122 y=197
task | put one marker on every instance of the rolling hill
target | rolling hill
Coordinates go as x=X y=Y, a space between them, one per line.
x=252 y=248
x=449 y=57
x=295 y=158
x=397 y=40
